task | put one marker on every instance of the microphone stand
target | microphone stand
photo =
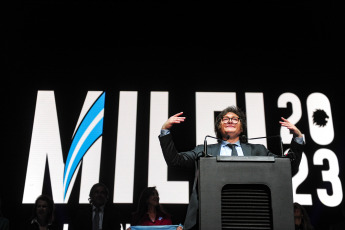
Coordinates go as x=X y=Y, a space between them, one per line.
x=205 y=144
x=280 y=138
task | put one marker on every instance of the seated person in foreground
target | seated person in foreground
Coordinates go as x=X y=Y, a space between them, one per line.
x=100 y=214
x=149 y=211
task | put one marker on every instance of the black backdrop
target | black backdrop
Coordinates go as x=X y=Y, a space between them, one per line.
x=72 y=47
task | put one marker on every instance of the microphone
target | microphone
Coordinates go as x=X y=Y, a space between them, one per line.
x=254 y=138
x=268 y=137
x=205 y=143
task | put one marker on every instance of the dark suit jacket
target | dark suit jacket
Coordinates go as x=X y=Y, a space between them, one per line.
x=189 y=159
x=83 y=219
x=4 y=223
x=35 y=226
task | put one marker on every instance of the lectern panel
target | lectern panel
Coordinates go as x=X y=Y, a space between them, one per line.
x=246 y=207
x=272 y=177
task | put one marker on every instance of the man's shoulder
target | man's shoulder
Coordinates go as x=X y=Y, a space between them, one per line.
x=83 y=211
x=253 y=145
x=111 y=208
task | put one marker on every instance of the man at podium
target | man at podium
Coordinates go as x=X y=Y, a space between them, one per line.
x=230 y=129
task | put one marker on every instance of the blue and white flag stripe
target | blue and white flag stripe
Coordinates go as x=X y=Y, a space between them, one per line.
x=90 y=129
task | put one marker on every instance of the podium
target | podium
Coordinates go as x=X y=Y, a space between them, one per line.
x=245 y=193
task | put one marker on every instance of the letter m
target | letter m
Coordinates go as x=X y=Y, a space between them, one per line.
x=46 y=147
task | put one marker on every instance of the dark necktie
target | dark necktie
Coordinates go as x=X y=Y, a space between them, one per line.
x=95 y=222
x=234 y=151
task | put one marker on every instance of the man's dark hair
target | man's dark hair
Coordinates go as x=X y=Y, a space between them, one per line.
x=51 y=206
x=92 y=190
x=236 y=110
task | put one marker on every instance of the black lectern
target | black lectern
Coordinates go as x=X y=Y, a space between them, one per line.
x=245 y=193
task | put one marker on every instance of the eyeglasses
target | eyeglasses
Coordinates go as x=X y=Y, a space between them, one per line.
x=234 y=120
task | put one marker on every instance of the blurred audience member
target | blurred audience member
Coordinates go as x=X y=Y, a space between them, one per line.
x=43 y=214
x=149 y=211
x=302 y=221
x=99 y=215
x=4 y=223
